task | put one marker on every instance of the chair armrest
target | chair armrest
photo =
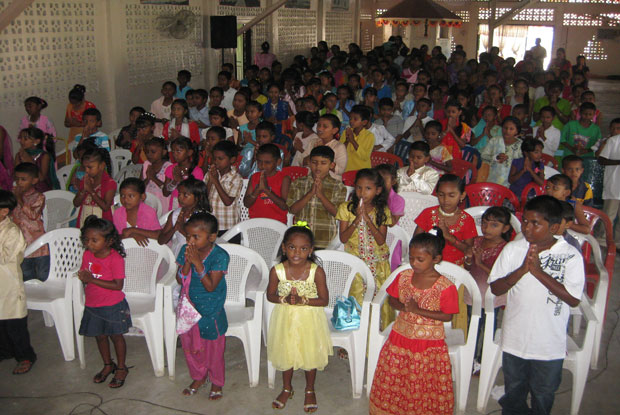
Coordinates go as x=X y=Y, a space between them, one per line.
x=65 y=223
x=35 y=245
x=587 y=310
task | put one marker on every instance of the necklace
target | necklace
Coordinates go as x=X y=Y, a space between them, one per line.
x=448 y=215
x=303 y=277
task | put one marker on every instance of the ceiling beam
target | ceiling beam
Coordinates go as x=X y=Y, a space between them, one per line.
x=269 y=10
x=510 y=13
x=13 y=10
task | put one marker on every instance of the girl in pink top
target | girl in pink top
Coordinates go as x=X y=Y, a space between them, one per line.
x=106 y=312
x=396 y=204
x=154 y=170
x=96 y=190
x=186 y=165
x=264 y=59
x=34 y=105
x=135 y=219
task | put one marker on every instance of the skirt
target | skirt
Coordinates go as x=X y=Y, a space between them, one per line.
x=106 y=321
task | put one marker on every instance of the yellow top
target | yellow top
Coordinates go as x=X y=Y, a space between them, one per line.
x=360 y=158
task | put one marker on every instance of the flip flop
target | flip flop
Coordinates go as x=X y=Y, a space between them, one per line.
x=22 y=367
x=215 y=395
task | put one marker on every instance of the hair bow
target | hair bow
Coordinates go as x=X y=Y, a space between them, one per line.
x=302 y=223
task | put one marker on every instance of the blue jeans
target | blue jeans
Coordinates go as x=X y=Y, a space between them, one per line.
x=540 y=378
x=37 y=268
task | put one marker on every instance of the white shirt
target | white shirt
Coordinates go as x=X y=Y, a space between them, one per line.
x=423 y=180
x=534 y=323
x=382 y=137
x=409 y=123
x=551 y=141
x=611 y=179
x=227 y=100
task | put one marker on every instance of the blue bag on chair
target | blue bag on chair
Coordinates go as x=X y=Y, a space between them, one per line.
x=346 y=314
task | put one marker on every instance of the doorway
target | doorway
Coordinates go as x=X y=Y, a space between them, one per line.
x=514 y=40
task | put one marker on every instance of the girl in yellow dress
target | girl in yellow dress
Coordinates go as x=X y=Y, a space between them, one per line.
x=298 y=335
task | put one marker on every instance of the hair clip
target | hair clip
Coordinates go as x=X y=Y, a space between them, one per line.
x=433 y=231
x=302 y=223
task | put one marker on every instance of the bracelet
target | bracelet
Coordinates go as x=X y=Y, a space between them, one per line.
x=171 y=186
x=282 y=299
x=203 y=273
x=304 y=300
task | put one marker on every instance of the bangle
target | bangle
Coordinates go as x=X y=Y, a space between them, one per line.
x=304 y=300
x=282 y=299
x=203 y=273
x=171 y=186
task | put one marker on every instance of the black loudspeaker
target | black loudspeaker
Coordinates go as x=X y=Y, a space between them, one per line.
x=223 y=32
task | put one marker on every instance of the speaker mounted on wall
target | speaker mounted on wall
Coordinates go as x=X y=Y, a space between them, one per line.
x=223 y=32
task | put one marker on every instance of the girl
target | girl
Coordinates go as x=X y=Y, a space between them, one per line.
x=501 y=151
x=214 y=135
x=78 y=172
x=193 y=197
x=36 y=148
x=522 y=96
x=6 y=160
x=76 y=107
x=438 y=110
x=96 y=190
x=145 y=127
x=560 y=63
x=456 y=134
x=330 y=101
x=416 y=344
x=486 y=128
x=264 y=58
x=129 y=133
x=237 y=115
x=298 y=332
x=469 y=111
x=33 y=106
x=257 y=94
x=186 y=159
x=135 y=219
x=395 y=203
x=277 y=110
x=179 y=124
x=247 y=132
x=219 y=118
x=370 y=100
x=154 y=170
x=327 y=83
x=363 y=223
x=306 y=139
x=529 y=168
x=162 y=106
x=106 y=312
x=441 y=157
x=479 y=260
x=202 y=266
x=495 y=99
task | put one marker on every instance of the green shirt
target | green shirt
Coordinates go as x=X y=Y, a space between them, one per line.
x=573 y=132
x=563 y=106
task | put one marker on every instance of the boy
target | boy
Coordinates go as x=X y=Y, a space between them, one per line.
x=572 y=166
x=568 y=219
x=28 y=216
x=392 y=123
x=14 y=336
x=268 y=188
x=609 y=156
x=378 y=82
x=520 y=112
x=547 y=132
x=413 y=128
x=327 y=129
x=234 y=82
x=383 y=139
x=183 y=77
x=200 y=112
x=216 y=95
x=265 y=134
x=559 y=186
x=223 y=81
x=561 y=106
x=92 y=124
x=315 y=198
x=224 y=185
x=578 y=136
x=358 y=139
x=543 y=277
x=418 y=177
x=354 y=83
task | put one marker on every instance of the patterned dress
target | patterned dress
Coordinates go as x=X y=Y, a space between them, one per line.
x=413 y=374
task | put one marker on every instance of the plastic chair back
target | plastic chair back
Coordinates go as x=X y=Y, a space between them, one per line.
x=476 y=212
x=550 y=161
x=465 y=170
x=348 y=178
x=394 y=235
x=151 y=200
x=381 y=157
x=295 y=172
x=260 y=234
x=550 y=171
x=141 y=266
x=244 y=214
x=63 y=175
x=528 y=189
x=415 y=203
x=113 y=135
x=490 y=194
x=119 y=158
x=131 y=170
x=58 y=209
x=66 y=251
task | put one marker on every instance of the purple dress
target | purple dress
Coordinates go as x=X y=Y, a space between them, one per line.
x=396 y=204
x=526 y=178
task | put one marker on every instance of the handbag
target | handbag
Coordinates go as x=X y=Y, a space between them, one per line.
x=346 y=314
x=187 y=315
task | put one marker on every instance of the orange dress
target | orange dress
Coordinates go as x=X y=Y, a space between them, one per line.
x=414 y=375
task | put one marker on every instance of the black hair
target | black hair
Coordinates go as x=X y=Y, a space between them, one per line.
x=614 y=121
x=513 y=120
x=306 y=118
x=386 y=102
x=568 y=211
x=36 y=101
x=419 y=85
x=189 y=92
x=549 y=109
x=107 y=229
x=46 y=142
x=169 y=83
x=201 y=92
x=355 y=75
x=7 y=200
x=561 y=179
x=502 y=215
x=420 y=146
x=379 y=201
x=426 y=100
x=587 y=92
x=227 y=147
x=451 y=178
x=145 y=120
x=157 y=141
x=217 y=89
x=225 y=74
x=98 y=154
x=520 y=107
x=30 y=169
x=570 y=159
x=587 y=106
x=264 y=46
x=269 y=148
x=369 y=91
x=547 y=206
x=298 y=230
x=433 y=124
x=526 y=96
x=137 y=109
x=185 y=72
x=219 y=112
x=491 y=108
x=255 y=104
x=363 y=111
x=267 y=126
x=135 y=183
x=77 y=93
x=187 y=144
x=94 y=112
x=323 y=151
x=392 y=171
x=311 y=100
x=219 y=131
x=243 y=92
x=182 y=103
x=433 y=244
x=335 y=122
x=198 y=188
x=529 y=144
x=204 y=220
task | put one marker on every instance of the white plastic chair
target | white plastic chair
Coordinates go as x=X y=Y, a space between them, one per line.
x=477 y=211
x=120 y=158
x=125 y=172
x=145 y=269
x=113 y=135
x=550 y=171
x=340 y=270
x=394 y=234
x=151 y=200
x=461 y=351
x=244 y=214
x=244 y=322
x=415 y=203
x=260 y=234
x=54 y=296
x=59 y=210
x=63 y=174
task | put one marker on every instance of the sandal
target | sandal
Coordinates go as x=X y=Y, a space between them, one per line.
x=343 y=354
x=23 y=366
x=215 y=395
x=116 y=383
x=311 y=407
x=101 y=377
x=276 y=404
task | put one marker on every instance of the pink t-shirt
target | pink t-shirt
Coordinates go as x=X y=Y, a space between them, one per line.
x=197 y=173
x=109 y=268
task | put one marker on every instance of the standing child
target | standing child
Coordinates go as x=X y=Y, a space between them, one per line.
x=14 y=336
x=486 y=128
x=236 y=116
x=559 y=186
x=543 y=277
x=609 y=156
x=183 y=78
x=418 y=176
x=34 y=106
x=96 y=190
x=547 y=132
x=573 y=167
x=306 y=139
x=265 y=134
x=455 y=133
x=185 y=166
x=179 y=124
x=247 y=132
x=529 y=168
x=358 y=140
x=329 y=104
x=202 y=267
x=129 y=133
x=218 y=117
x=162 y=106
x=199 y=113
x=154 y=170
x=578 y=136
x=277 y=110
x=135 y=219
x=395 y=202
x=106 y=312
x=416 y=345
x=75 y=108
x=501 y=151
x=92 y=124
x=298 y=335
x=34 y=149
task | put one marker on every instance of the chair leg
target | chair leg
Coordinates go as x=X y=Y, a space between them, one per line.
x=271 y=375
x=580 y=375
x=356 y=363
x=48 y=320
x=254 y=335
x=170 y=334
x=153 y=333
x=64 y=328
x=576 y=324
x=596 y=348
x=488 y=374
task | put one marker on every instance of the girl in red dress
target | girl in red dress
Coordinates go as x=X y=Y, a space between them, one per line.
x=455 y=133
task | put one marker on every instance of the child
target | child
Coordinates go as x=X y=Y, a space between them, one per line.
x=247 y=132
x=495 y=99
x=419 y=176
x=185 y=166
x=609 y=156
x=441 y=157
x=216 y=95
x=479 y=259
x=437 y=98
x=154 y=170
x=330 y=102
x=257 y=95
x=395 y=202
x=306 y=139
x=75 y=108
x=106 y=312
x=179 y=124
x=363 y=223
x=529 y=168
x=213 y=136
x=413 y=129
x=224 y=185
x=501 y=151
x=78 y=172
x=92 y=123
x=224 y=79
x=200 y=112
x=28 y=216
x=183 y=78
x=34 y=106
x=162 y=106
x=135 y=219
x=265 y=134
x=96 y=190
x=561 y=106
x=578 y=136
x=327 y=129
x=455 y=133
x=129 y=133
x=345 y=103
x=543 y=277
x=315 y=198
x=588 y=96
x=202 y=267
x=559 y=186
x=416 y=345
x=572 y=166
x=486 y=128
x=519 y=111
x=370 y=100
x=275 y=111
x=237 y=115
x=14 y=336
x=35 y=148
x=298 y=331
x=145 y=125
x=268 y=188
x=568 y=219
x=383 y=139
x=358 y=140
x=547 y=132
x=218 y=117
x=403 y=100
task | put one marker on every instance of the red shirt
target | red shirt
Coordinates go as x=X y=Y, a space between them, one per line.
x=194 y=133
x=264 y=207
x=503 y=112
x=109 y=268
x=106 y=185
